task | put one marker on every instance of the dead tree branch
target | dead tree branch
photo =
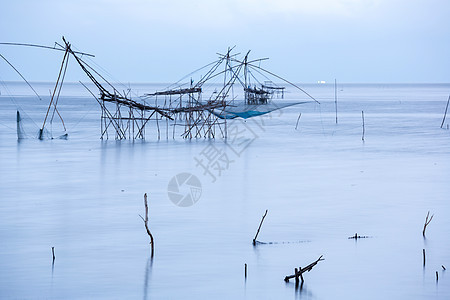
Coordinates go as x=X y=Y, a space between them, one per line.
x=298 y=272
x=427 y=221
x=146 y=225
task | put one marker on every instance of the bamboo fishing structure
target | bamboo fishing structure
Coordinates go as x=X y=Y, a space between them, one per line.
x=199 y=112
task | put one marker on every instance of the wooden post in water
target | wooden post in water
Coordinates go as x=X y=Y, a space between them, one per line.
x=363 y=127
x=245 y=271
x=298 y=119
x=262 y=220
x=335 y=98
x=445 y=113
x=437 y=276
x=53 y=253
x=423 y=251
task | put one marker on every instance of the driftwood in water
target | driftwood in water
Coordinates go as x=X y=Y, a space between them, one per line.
x=356 y=236
x=298 y=272
x=427 y=221
x=260 y=224
x=146 y=225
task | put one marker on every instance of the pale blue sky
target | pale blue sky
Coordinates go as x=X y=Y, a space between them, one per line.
x=306 y=41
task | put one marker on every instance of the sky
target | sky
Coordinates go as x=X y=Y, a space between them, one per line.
x=354 y=41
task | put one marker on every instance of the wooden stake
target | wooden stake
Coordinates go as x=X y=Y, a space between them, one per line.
x=426 y=223
x=445 y=113
x=423 y=251
x=437 y=276
x=297 y=274
x=53 y=253
x=298 y=119
x=301 y=274
x=335 y=98
x=262 y=220
x=245 y=271
x=146 y=225
x=363 y=127
x=443 y=267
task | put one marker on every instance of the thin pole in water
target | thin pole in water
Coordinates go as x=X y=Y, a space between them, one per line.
x=445 y=113
x=423 y=251
x=363 y=127
x=259 y=228
x=298 y=119
x=335 y=99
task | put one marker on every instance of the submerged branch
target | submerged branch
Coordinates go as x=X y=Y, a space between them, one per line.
x=427 y=221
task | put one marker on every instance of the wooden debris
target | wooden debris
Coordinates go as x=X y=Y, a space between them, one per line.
x=427 y=221
x=443 y=267
x=53 y=253
x=262 y=220
x=356 y=236
x=298 y=272
x=146 y=225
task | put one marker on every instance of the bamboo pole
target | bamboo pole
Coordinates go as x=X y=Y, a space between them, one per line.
x=423 y=252
x=363 y=127
x=445 y=113
x=41 y=131
x=260 y=224
x=298 y=119
x=335 y=99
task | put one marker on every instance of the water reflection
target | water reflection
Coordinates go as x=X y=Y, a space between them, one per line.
x=300 y=290
x=148 y=273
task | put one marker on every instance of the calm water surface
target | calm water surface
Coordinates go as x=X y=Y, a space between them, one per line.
x=320 y=183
